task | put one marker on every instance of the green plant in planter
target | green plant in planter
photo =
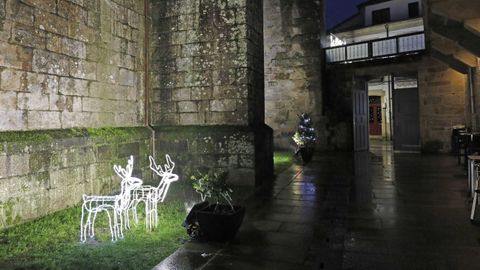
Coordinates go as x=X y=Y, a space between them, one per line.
x=212 y=185
x=219 y=219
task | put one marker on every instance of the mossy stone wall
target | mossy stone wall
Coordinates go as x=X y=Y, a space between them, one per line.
x=45 y=171
x=293 y=31
x=207 y=62
x=244 y=152
x=70 y=63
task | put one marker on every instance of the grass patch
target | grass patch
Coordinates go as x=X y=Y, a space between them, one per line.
x=282 y=160
x=52 y=242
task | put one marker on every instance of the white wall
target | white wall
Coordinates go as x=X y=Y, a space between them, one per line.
x=398 y=10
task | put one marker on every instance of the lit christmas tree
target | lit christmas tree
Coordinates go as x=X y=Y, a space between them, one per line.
x=305 y=135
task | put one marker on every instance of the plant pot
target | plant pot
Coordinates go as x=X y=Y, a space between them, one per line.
x=220 y=225
x=306 y=153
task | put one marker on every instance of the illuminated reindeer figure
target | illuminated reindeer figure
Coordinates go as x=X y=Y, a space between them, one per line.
x=115 y=206
x=151 y=195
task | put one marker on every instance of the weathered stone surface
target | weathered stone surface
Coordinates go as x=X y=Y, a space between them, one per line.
x=442 y=102
x=193 y=53
x=292 y=81
x=12 y=120
x=42 y=119
x=74 y=48
x=11 y=80
x=49 y=62
x=60 y=166
x=57 y=43
x=74 y=87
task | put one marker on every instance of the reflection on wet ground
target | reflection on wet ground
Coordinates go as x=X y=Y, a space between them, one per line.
x=371 y=210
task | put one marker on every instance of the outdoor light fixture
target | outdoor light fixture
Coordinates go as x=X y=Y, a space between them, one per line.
x=115 y=206
x=151 y=195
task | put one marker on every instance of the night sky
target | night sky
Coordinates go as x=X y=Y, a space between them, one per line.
x=339 y=10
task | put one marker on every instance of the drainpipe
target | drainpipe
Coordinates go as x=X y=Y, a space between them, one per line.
x=146 y=70
x=472 y=98
x=391 y=86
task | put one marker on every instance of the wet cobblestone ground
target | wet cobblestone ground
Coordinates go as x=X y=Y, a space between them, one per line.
x=372 y=210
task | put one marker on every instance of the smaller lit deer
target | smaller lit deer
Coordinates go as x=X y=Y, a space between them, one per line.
x=115 y=206
x=151 y=195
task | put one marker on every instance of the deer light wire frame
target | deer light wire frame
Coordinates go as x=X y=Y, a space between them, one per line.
x=151 y=195
x=115 y=206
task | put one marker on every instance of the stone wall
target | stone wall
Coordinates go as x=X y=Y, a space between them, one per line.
x=45 y=171
x=207 y=86
x=293 y=60
x=245 y=153
x=71 y=63
x=476 y=86
x=443 y=97
x=206 y=62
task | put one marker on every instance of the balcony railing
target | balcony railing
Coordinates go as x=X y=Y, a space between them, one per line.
x=378 y=48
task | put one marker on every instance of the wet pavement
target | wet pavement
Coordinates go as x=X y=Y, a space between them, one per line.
x=372 y=210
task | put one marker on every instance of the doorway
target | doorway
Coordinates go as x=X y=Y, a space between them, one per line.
x=392 y=113
x=375 y=116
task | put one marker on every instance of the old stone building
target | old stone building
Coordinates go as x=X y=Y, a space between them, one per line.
x=85 y=84
x=216 y=83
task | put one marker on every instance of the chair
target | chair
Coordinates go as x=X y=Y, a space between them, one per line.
x=476 y=190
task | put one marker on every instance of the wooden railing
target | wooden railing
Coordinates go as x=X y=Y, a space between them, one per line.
x=378 y=48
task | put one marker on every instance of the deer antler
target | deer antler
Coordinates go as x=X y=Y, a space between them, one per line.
x=154 y=167
x=120 y=171
x=129 y=168
x=170 y=164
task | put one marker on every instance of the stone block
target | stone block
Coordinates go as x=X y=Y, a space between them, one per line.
x=74 y=48
x=50 y=22
x=18 y=12
x=49 y=62
x=128 y=119
x=180 y=94
x=33 y=101
x=17 y=164
x=71 y=11
x=39 y=83
x=187 y=106
x=40 y=161
x=202 y=93
x=66 y=176
x=223 y=105
x=3 y=165
x=107 y=73
x=190 y=119
x=49 y=6
x=28 y=36
x=8 y=101
x=15 y=57
x=13 y=120
x=61 y=103
x=43 y=120
x=127 y=77
x=83 y=69
x=73 y=87
x=76 y=119
x=11 y=80
x=53 y=42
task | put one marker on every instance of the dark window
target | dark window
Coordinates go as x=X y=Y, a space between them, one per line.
x=413 y=10
x=381 y=16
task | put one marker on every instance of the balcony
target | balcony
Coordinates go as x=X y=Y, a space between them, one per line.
x=412 y=43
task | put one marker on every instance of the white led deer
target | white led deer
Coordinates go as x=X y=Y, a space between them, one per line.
x=151 y=195
x=115 y=206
